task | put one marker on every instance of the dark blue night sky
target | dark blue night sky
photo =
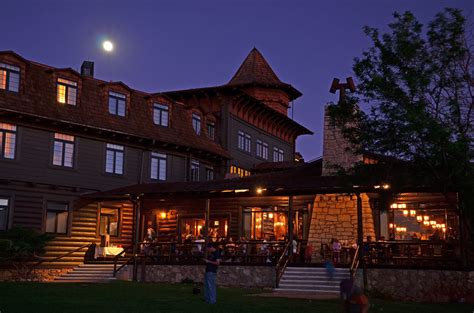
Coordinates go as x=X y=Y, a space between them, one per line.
x=169 y=45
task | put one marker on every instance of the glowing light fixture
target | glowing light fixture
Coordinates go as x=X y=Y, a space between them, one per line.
x=432 y=222
x=419 y=218
x=260 y=190
x=426 y=223
x=412 y=212
x=385 y=186
x=405 y=212
x=163 y=215
x=270 y=215
x=426 y=218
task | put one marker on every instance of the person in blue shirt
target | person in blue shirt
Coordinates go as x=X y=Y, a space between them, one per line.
x=212 y=263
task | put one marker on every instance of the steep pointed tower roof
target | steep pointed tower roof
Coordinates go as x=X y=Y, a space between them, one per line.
x=255 y=70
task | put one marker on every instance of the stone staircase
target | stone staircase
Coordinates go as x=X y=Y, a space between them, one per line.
x=89 y=273
x=312 y=280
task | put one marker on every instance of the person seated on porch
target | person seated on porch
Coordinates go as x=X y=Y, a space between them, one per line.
x=336 y=250
x=150 y=231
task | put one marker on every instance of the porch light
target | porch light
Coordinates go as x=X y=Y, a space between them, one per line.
x=260 y=190
x=163 y=215
x=412 y=212
x=385 y=186
x=419 y=218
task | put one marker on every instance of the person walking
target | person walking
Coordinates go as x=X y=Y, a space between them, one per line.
x=212 y=263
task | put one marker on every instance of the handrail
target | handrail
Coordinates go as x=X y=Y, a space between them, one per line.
x=61 y=256
x=283 y=259
x=116 y=257
x=355 y=263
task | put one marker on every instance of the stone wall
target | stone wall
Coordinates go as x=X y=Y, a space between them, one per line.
x=337 y=151
x=42 y=274
x=227 y=276
x=335 y=216
x=420 y=285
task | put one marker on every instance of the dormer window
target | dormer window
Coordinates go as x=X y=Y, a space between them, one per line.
x=161 y=114
x=197 y=123
x=67 y=91
x=9 y=77
x=117 y=103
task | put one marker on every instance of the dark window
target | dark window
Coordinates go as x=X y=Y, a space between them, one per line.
x=211 y=130
x=57 y=217
x=209 y=173
x=161 y=114
x=9 y=77
x=262 y=149
x=194 y=170
x=244 y=141
x=7 y=141
x=278 y=154
x=158 y=166
x=67 y=91
x=117 y=103
x=109 y=221
x=63 y=153
x=197 y=123
x=4 y=208
x=114 y=159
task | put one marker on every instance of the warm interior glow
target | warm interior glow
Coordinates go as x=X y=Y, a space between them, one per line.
x=419 y=218
x=61 y=94
x=433 y=222
x=385 y=186
x=426 y=223
x=270 y=215
x=163 y=215
x=405 y=212
x=260 y=190
x=426 y=218
x=412 y=212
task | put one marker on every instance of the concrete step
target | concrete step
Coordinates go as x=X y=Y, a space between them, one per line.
x=321 y=291
x=311 y=282
x=101 y=275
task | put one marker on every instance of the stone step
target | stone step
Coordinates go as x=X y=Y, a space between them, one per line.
x=299 y=290
x=309 y=287
x=314 y=269
x=311 y=282
x=72 y=274
x=312 y=277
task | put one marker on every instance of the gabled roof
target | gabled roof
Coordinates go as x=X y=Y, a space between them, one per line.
x=255 y=71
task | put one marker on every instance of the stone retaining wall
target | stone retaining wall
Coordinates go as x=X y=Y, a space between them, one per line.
x=420 y=285
x=228 y=276
x=41 y=274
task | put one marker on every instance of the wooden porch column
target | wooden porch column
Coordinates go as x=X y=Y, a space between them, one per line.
x=136 y=240
x=360 y=238
x=206 y=225
x=290 y=223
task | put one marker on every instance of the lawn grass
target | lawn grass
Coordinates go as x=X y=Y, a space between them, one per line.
x=166 y=298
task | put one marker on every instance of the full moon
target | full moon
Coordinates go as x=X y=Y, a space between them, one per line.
x=108 y=46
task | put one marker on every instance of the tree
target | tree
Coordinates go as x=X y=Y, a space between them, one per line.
x=418 y=85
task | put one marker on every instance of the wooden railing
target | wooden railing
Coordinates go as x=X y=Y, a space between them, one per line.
x=355 y=263
x=282 y=263
x=42 y=259
x=116 y=258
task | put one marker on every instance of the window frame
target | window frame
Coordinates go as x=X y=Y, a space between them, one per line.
x=63 y=143
x=68 y=210
x=262 y=149
x=7 y=210
x=3 y=136
x=68 y=84
x=244 y=141
x=209 y=173
x=160 y=108
x=211 y=130
x=8 y=69
x=119 y=220
x=115 y=151
x=195 y=168
x=278 y=155
x=196 y=122
x=158 y=157
x=117 y=97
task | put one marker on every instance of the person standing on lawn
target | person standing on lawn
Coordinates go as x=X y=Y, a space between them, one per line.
x=212 y=263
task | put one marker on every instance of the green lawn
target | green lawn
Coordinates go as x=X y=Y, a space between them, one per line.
x=147 y=297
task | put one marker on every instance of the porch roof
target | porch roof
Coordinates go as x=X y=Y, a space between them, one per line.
x=302 y=180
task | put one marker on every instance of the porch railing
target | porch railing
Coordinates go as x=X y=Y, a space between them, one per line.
x=282 y=263
x=355 y=263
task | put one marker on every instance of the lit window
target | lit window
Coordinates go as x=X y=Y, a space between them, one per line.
x=211 y=130
x=57 y=217
x=262 y=149
x=209 y=173
x=161 y=114
x=109 y=221
x=7 y=141
x=197 y=123
x=239 y=171
x=244 y=141
x=278 y=154
x=117 y=103
x=114 y=159
x=194 y=170
x=63 y=153
x=158 y=166
x=9 y=77
x=67 y=91
x=4 y=208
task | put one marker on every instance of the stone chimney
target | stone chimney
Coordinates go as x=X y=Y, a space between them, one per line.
x=338 y=152
x=87 y=69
